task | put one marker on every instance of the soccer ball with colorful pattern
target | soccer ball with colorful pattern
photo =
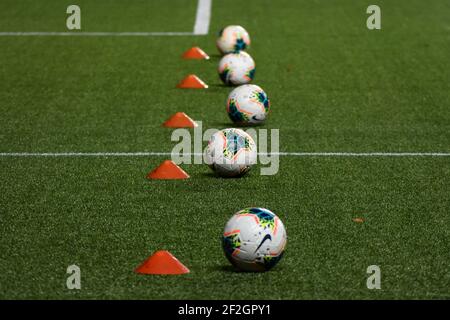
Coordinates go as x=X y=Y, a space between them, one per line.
x=236 y=68
x=248 y=104
x=232 y=39
x=254 y=239
x=231 y=152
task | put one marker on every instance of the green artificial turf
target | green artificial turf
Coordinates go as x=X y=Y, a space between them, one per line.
x=335 y=86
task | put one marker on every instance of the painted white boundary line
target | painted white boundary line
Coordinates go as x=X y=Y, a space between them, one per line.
x=292 y=154
x=201 y=27
x=365 y=154
x=94 y=34
x=203 y=17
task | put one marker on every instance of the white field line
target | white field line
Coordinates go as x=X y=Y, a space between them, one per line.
x=287 y=154
x=365 y=154
x=201 y=27
x=203 y=17
x=94 y=34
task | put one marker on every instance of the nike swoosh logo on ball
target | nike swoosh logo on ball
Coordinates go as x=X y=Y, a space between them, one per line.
x=266 y=237
x=257 y=118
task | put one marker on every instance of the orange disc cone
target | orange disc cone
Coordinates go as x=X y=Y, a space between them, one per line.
x=195 y=53
x=162 y=262
x=168 y=170
x=180 y=120
x=192 y=82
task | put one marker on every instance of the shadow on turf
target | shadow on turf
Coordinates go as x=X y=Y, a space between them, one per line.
x=231 y=269
x=236 y=125
x=215 y=87
x=213 y=175
x=215 y=56
x=220 y=85
x=225 y=268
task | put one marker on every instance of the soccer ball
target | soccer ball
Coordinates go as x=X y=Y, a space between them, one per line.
x=232 y=39
x=248 y=104
x=231 y=152
x=254 y=239
x=236 y=68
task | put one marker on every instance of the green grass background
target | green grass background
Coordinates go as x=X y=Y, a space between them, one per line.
x=334 y=86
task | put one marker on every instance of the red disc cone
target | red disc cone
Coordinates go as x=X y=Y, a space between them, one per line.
x=192 y=82
x=180 y=120
x=162 y=262
x=195 y=53
x=168 y=170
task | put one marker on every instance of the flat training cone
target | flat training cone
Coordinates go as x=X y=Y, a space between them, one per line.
x=192 y=82
x=162 y=262
x=180 y=120
x=168 y=170
x=195 y=53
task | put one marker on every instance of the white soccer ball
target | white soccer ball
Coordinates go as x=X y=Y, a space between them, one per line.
x=236 y=68
x=232 y=39
x=248 y=104
x=254 y=239
x=231 y=152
